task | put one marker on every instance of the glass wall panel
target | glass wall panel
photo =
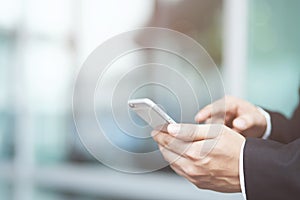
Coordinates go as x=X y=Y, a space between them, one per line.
x=274 y=47
x=6 y=113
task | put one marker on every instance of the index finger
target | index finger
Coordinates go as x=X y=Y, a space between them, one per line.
x=213 y=111
x=194 y=132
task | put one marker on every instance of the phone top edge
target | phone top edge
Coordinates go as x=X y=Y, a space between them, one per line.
x=136 y=103
x=141 y=101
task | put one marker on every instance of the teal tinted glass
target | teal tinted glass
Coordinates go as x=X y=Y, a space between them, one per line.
x=274 y=49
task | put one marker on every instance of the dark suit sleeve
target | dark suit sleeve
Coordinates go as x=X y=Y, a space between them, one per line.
x=272 y=169
x=285 y=130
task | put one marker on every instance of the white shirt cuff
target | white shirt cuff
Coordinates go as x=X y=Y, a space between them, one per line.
x=265 y=136
x=241 y=169
x=267 y=133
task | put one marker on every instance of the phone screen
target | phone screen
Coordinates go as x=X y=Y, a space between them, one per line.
x=150 y=112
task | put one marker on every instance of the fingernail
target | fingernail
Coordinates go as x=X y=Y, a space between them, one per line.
x=173 y=129
x=239 y=123
x=197 y=117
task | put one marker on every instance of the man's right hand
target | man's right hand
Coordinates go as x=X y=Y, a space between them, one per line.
x=240 y=115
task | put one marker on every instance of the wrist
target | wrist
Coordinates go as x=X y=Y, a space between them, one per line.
x=267 y=123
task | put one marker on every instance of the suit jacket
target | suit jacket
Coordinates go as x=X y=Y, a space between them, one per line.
x=272 y=167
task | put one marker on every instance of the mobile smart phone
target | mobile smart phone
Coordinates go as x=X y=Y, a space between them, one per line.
x=150 y=112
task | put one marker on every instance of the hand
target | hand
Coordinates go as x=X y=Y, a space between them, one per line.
x=206 y=155
x=241 y=116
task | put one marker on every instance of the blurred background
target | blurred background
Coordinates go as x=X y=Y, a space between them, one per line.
x=255 y=44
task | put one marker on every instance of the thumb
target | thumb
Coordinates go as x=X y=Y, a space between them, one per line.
x=243 y=122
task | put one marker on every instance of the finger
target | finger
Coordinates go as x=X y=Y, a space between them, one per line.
x=220 y=120
x=155 y=132
x=182 y=166
x=204 y=114
x=171 y=157
x=161 y=128
x=243 y=122
x=215 y=110
x=178 y=171
x=189 y=150
x=177 y=163
x=194 y=132
x=215 y=120
x=171 y=143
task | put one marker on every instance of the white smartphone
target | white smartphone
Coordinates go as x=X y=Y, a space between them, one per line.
x=150 y=112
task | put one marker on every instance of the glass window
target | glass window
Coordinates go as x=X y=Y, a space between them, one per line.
x=274 y=65
x=5 y=190
x=6 y=86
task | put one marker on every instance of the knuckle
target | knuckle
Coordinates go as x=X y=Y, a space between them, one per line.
x=204 y=162
x=166 y=142
x=191 y=154
x=208 y=121
x=189 y=170
x=189 y=131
